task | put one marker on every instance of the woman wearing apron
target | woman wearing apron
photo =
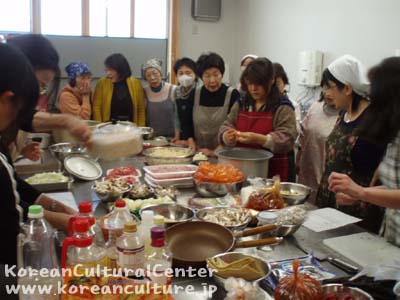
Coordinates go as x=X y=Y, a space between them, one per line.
x=262 y=119
x=160 y=107
x=345 y=82
x=212 y=102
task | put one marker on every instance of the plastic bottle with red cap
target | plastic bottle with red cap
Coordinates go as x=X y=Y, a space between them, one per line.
x=159 y=259
x=85 y=212
x=80 y=248
x=119 y=217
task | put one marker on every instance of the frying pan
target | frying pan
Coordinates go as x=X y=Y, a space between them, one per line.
x=192 y=242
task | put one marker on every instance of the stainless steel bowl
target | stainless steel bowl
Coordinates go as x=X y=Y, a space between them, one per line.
x=252 y=162
x=201 y=214
x=154 y=156
x=147 y=133
x=234 y=256
x=111 y=196
x=297 y=193
x=340 y=289
x=213 y=189
x=63 y=150
x=173 y=213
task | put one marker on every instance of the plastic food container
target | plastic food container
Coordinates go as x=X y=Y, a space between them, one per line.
x=178 y=182
x=116 y=140
x=170 y=171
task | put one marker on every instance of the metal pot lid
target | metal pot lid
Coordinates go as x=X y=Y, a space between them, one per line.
x=115 y=127
x=248 y=154
x=83 y=167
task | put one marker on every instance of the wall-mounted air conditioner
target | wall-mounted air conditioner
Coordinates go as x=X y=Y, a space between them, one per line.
x=206 y=10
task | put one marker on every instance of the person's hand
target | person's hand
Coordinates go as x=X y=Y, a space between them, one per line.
x=229 y=136
x=344 y=199
x=343 y=184
x=208 y=152
x=32 y=151
x=192 y=144
x=79 y=129
x=84 y=88
x=246 y=137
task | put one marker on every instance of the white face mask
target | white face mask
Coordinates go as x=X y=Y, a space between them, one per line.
x=185 y=80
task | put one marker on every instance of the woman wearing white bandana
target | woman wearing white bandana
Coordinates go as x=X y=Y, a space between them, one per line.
x=382 y=125
x=345 y=82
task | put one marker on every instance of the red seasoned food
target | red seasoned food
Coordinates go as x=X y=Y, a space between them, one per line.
x=208 y=172
x=122 y=171
x=298 y=286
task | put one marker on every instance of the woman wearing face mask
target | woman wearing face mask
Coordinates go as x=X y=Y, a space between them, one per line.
x=118 y=96
x=345 y=83
x=212 y=102
x=262 y=120
x=160 y=107
x=75 y=99
x=185 y=71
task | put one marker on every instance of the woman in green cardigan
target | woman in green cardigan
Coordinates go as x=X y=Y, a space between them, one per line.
x=118 y=95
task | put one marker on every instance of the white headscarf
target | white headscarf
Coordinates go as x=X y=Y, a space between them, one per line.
x=350 y=71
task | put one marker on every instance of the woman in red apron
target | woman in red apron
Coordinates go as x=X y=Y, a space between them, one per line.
x=262 y=119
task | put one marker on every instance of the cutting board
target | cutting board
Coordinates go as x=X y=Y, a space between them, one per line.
x=364 y=248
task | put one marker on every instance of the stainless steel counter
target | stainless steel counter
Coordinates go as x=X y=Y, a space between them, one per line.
x=82 y=192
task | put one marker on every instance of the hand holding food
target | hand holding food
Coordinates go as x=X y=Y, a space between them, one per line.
x=230 y=136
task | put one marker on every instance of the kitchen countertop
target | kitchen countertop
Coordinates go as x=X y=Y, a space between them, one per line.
x=82 y=191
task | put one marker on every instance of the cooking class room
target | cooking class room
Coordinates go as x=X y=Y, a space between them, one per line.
x=199 y=149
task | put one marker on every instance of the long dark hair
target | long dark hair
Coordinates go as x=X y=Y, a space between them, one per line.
x=381 y=124
x=43 y=56
x=17 y=76
x=261 y=72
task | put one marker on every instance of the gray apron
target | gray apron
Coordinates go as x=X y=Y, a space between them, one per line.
x=161 y=116
x=208 y=120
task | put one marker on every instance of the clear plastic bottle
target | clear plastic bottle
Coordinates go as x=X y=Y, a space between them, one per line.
x=159 y=260
x=82 y=259
x=111 y=250
x=145 y=229
x=130 y=249
x=36 y=250
x=85 y=211
x=119 y=216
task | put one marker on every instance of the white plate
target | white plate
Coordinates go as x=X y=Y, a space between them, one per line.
x=83 y=167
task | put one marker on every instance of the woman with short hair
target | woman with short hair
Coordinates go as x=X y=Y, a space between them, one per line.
x=118 y=95
x=212 y=102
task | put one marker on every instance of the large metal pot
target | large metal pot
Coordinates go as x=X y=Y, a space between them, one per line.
x=252 y=162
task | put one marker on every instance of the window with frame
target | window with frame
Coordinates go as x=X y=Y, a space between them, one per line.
x=60 y=17
x=15 y=16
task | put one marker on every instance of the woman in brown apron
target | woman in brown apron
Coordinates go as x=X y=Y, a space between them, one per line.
x=262 y=119
x=212 y=102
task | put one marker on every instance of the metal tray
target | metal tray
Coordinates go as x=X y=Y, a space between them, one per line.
x=56 y=186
